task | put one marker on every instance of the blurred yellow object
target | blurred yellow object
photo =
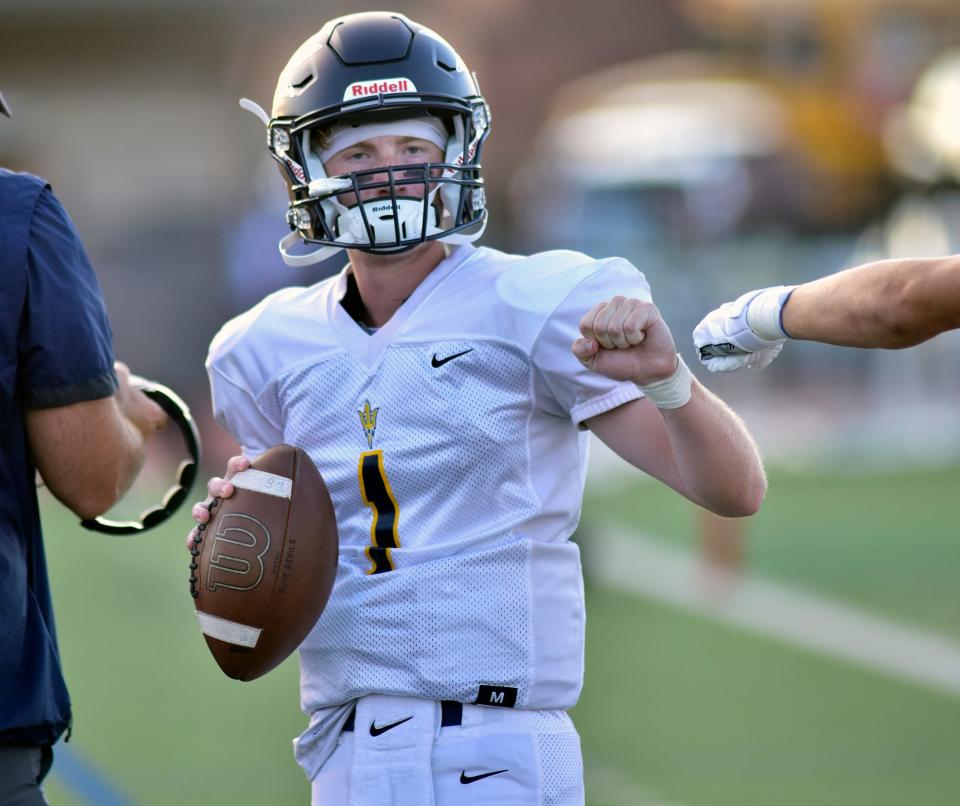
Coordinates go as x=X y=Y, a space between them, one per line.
x=923 y=136
x=676 y=118
x=747 y=13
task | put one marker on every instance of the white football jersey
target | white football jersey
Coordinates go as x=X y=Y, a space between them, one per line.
x=451 y=442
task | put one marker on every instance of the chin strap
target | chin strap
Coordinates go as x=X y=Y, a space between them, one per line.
x=179 y=414
x=317 y=187
x=307 y=258
x=350 y=223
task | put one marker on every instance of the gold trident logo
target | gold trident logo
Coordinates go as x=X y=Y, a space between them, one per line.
x=368 y=419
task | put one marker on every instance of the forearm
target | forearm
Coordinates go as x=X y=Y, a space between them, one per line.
x=889 y=304
x=679 y=432
x=88 y=454
x=131 y=449
x=715 y=456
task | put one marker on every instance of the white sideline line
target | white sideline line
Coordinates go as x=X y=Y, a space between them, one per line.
x=637 y=564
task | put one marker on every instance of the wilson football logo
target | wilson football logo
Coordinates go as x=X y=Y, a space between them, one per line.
x=236 y=557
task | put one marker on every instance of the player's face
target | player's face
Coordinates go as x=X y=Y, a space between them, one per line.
x=378 y=152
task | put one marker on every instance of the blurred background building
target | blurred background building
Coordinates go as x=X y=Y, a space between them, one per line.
x=793 y=139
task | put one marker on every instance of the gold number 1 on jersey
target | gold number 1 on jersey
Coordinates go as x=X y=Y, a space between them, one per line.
x=376 y=493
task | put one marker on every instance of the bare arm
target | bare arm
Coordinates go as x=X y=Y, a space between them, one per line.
x=889 y=303
x=89 y=453
x=701 y=448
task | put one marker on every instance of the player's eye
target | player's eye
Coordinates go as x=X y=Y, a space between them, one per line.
x=416 y=150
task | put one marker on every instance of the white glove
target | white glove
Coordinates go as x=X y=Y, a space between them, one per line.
x=743 y=333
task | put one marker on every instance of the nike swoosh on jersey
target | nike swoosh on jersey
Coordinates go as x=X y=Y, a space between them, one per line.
x=439 y=362
x=469 y=779
x=376 y=731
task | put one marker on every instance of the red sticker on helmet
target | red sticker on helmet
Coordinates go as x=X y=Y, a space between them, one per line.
x=385 y=86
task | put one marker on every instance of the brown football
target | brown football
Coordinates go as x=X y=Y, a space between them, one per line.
x=265 y=563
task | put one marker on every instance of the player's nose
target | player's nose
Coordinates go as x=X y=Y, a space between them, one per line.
x=383 y=176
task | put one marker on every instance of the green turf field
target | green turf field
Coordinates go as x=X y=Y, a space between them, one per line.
x=676 y=709
x=888 y=542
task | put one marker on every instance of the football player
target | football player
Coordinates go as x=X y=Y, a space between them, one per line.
x=886 y=303
x=445 y=392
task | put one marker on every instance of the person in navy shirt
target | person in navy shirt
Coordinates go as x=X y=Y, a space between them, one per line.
x=68 y=411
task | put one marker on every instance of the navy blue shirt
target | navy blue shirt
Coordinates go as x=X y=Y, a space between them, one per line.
x=55 y=350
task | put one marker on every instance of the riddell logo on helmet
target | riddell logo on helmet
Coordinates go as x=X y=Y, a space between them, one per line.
x=385 y=86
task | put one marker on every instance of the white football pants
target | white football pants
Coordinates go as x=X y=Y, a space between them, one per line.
x=398 y=754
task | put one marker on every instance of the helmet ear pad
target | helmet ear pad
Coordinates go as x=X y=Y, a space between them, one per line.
x=451 y=193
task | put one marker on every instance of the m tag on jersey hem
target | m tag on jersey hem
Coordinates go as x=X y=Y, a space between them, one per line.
x=499 y=696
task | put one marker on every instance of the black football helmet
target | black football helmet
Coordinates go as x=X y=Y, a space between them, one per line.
x=365 y=68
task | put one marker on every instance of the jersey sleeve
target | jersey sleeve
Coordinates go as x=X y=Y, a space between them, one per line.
x=236 y=408
x=565 y=387
x=65 y=342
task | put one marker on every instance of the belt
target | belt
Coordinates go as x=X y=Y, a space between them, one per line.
x=451 y=714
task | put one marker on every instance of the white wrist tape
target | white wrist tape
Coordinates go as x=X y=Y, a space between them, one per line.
x=765 y=312
x=672 y=392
